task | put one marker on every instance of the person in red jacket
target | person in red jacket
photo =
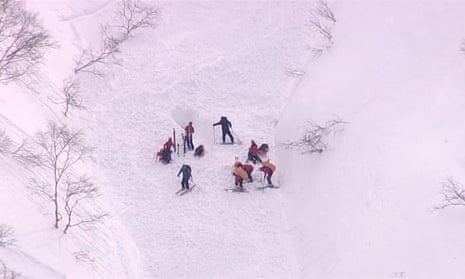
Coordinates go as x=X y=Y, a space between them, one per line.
x=248 y=168
x=268 y=172
x=169 y=144
x=189 y=130
x=253 y=153
x=268 y=169
x=166 y=151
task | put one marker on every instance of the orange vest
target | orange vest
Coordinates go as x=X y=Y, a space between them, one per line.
x=269 y=165
x=241 y=173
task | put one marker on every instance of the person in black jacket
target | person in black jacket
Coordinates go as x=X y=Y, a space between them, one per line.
x=225 y=128
x=186 y=175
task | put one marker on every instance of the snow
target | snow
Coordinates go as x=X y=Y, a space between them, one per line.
x=394 y=76
x=362 y=208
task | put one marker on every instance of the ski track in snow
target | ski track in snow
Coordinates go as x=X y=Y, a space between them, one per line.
x=87 y=12
x=208 y=232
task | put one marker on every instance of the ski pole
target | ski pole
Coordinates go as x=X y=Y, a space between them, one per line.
x=214 y=138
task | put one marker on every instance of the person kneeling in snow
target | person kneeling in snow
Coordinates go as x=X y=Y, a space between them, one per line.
x=199 y=151
x=186 y=175
x=164 y=154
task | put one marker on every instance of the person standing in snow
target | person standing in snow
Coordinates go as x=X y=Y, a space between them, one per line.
x=225 y=128
x=189 y=130
x=186 y=175
x=253 y=153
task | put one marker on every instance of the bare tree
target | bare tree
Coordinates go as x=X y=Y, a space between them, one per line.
x=453 y=194
x=6 y=273
x=58 y=150
x=314 y=138
x=25 y=155
x=131 y=16
x=323 y=10
x=23 y=41
x=5 y=142
x=77 y=192
x=92 y=57
x=321 y=22
x=70 y=97
x=6 y=236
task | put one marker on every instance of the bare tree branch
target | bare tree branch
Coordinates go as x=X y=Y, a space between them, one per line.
x=321 y=22
x=314 y=138
x=6 y=236
x=23 y=41
x=91 y=57
x=5 y=143
x=323 y=10
x=6 y=273
x=70 y=96
x=453 y=194
x=132 y=15
x=77 y=191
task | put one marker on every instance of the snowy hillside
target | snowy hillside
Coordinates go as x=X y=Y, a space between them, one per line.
x=393 y=73
x=363 y=208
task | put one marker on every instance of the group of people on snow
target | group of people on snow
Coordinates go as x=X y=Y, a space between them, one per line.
x=241 y=172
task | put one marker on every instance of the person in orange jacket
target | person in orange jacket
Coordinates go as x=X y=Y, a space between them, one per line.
x=239 y=175
x=248 y=168
x=268 y=170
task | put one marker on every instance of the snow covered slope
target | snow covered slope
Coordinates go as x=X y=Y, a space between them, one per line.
x=363 y=207
x=204 y=60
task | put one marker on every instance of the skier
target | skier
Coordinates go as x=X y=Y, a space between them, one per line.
x=186 y=175
x=268 y=170
x=248 y=169
x=189 y=131
x=199 y=151
x=225 y=126
x=239 y=175
x=253 y=153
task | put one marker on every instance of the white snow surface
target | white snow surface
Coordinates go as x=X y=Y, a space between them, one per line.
x=362 y=208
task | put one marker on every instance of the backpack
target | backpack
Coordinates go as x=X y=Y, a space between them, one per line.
x=187 y=171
